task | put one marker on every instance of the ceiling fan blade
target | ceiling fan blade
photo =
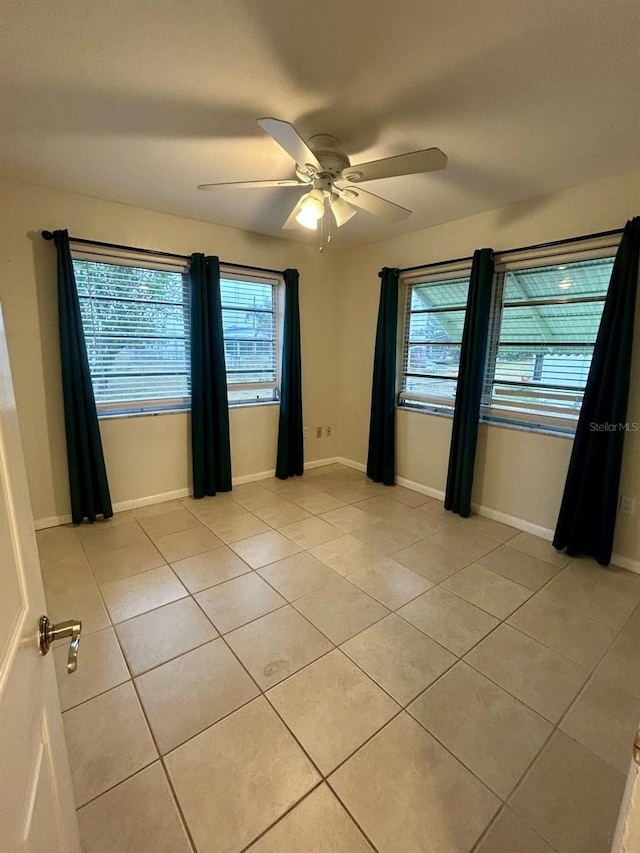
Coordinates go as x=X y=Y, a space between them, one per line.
x=250 y=185
x=372 y=203
x=288 y=138
x=291 y=221
x=429 y=160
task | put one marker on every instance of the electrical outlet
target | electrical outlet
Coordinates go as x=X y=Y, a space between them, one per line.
x=305 y=432
x=627 y=505
x=318 y=432
x=328 y=431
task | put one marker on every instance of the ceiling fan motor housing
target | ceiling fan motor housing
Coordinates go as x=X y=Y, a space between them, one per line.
x=331 y=158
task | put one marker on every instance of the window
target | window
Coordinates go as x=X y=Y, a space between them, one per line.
x=135 y=314
x=136 y=326
x=250 y=327
x=545 y=322
x=435 y=309
x=546 y=311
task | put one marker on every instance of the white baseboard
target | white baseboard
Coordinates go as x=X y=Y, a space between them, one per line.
x=266 y=475
x=120 y=506
x=51 y=521
x=320 y=463
x=546 y=533
x=251 y=478
x=340 y=460
x=495 y=515
x=176 y=494
x=626 y=563
x=418 y=487
x=136 y=503
x=514 y=521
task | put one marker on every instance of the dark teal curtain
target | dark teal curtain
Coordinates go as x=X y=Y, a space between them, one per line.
x=381 y=459
x=464 y=433
x=588 y=512
x=211 y=454
x=290 y=459
x=88 y=484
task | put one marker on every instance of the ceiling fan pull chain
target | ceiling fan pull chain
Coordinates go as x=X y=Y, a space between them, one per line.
x=321 y=230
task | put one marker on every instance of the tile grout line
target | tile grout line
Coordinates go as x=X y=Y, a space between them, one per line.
x=160 y=757
x=151 y=733
x=346 y=577
x=555 y=726
x=262 y=694
x=323 y=777
x=494 y=820
x=159 y=753
x=401 y=707
x=502 y=621
x=591 y=671
x=288 y=811
x=113 y=625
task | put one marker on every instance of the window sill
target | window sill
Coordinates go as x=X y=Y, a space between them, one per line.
x=540 y=430
x=425 y=410
x=112 y=416
x=248 y=405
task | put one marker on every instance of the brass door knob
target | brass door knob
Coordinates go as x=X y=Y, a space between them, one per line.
x=49 y=633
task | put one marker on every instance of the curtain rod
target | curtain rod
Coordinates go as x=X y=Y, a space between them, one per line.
x=531 y=248
x=48 y=235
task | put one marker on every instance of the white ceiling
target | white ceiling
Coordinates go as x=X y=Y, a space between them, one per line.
x=140 y=101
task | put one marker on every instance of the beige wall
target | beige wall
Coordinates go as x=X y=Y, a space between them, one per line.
x=145 y=456
x=518 y=473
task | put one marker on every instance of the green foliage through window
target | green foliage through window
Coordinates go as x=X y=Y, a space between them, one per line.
x=249 y=320
x=136 y=325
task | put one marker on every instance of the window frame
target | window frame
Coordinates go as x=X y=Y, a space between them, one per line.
x=139 y=260
x=157 y=261
x=441 y=273
x=544 y=419
x=567 y=251
x=229 y=272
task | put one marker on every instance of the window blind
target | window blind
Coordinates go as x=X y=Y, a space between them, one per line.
x=136 y=325
x=545 y=322
x=434 y=321
x=250 y=327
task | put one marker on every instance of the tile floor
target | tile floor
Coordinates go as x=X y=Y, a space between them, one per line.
x=326 y=664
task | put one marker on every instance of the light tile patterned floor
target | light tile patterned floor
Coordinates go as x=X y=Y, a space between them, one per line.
x=325 y=664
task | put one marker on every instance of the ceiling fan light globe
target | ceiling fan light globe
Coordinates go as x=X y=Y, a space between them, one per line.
x=311 y=210
x=307 y=220
x=342 y=211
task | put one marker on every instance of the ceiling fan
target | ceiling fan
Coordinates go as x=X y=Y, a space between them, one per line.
x=325 y=171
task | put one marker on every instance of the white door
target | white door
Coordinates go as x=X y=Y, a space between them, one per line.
x=627 y=838
x=37 y=810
